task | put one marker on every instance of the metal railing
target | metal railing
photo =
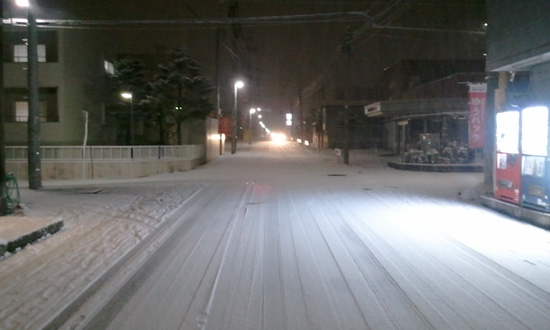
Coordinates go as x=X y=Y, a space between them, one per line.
x=75 y=153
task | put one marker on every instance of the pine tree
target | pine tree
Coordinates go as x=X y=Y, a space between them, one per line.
x=182 y=90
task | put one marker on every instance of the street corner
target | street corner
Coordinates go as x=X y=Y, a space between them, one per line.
x=16 y=232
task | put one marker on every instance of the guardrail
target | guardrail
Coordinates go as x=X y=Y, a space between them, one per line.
x=74 y=153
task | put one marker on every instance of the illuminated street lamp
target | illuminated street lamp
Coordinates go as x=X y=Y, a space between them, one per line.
x=129 y=96
x=238 y=84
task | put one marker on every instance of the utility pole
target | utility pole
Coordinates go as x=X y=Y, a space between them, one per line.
x=490 y=129
x=3 y=202
x=236 y=86
x=34 y=165
x=300 y=109
x=346 y=49
x=218 y=109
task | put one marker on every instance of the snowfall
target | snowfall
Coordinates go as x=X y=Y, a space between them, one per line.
x=277 y=236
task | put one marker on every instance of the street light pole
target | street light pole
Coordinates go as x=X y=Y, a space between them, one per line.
x=238 y=84
x=347 y=48
x=3 y=205
x=33 y=125
x=252 y=111
x=129 y=96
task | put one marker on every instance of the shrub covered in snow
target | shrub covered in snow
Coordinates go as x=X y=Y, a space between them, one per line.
x=451 y=153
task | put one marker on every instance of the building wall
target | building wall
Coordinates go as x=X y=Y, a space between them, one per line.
x=516 y=31
x=79 y=76
x=15 y=76
x=361 y=133
x=81 y=89
x=408 y=75
x=540 y=84
x=76 y=73
x=453 y=86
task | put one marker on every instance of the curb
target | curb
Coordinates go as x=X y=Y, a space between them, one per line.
x=538 y=218
x=24 y=239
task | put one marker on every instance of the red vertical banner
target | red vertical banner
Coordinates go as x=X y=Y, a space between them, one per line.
x=476 y=119
x=225 y=126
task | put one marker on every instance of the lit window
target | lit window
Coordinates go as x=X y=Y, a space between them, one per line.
x=20 y=53
x=109 y=67
x=22 y=111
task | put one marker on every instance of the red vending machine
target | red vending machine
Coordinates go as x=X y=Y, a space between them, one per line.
x=508 y=158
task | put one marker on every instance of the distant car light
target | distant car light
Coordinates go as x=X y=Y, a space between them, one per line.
x=278 y=137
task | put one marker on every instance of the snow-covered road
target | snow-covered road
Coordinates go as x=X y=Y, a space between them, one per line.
x=279 y=237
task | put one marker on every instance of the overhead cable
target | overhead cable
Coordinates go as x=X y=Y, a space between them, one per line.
x=307 y=18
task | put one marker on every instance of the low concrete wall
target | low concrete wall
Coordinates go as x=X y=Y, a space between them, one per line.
x=106 y=162
x=71 y=170
x=437 y=167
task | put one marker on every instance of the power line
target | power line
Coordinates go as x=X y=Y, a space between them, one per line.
x=306 y=18
x=405 y=28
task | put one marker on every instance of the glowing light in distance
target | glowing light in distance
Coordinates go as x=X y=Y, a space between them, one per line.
x=239 y=84
x=278 y=137
x=299 y=140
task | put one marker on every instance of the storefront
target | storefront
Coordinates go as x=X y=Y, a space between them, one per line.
x=431 y=121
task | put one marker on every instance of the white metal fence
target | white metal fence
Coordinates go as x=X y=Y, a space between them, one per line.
x=73 y=153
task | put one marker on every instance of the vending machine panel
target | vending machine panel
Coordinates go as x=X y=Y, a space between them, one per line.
x=535 y=169
x=508 y=160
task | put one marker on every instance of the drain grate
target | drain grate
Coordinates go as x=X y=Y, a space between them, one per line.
x=336 y=174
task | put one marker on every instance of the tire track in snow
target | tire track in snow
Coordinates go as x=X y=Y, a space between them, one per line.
x=202 y=281
x=331 y=223
x=327 y=295
x=237 y=216
x=239 y=300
